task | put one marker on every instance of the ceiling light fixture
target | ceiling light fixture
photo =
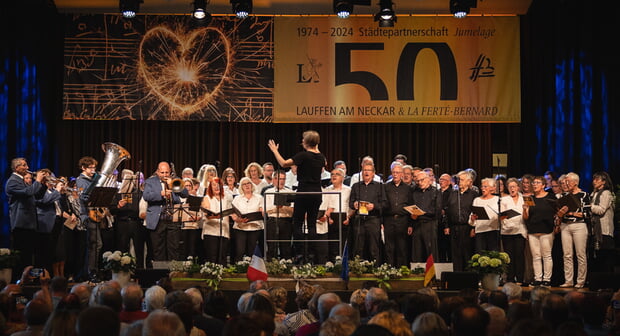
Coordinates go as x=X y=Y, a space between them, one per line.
x=241 y=8
x=129 y=8
x=343 y=8
x=200 y=10
x=386 y=15
x=460 y=8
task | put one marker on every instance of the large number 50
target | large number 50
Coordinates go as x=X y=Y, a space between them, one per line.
x=404 y=77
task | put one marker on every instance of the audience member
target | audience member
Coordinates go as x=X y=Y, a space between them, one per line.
x=497 y=321
x=554 y=310
x=358 y=300
x=36 y=313
x=82 y=291
x=429 y=324
x=154 y=298
x=513 y=291
x=392 y=321
x=98 y=321
x=499 y=299
x=470 y=320
x=302 y=316
x=217 y=305
x=249 y=324
x=531 y=327
x=348 y=311
x=371 y=330
x=161 y=322
x=210 y=325
x=374 y=298
x=325 y=303
x=415 y=304
x=132 y=295
x=58 y=289
x=448 y=306
x=338 y=325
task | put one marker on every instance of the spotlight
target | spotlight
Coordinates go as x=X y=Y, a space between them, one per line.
x=129 y=8
x=343 y=8
x=460 y=8
x=241 y=8
x=200 y=10
x=386 y=15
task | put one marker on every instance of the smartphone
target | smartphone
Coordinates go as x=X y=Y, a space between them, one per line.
x=21 y=299
x=36 y=272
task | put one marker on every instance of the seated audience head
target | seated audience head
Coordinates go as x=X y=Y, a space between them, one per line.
x=258 y=285
x=250 y=324
x=513 y=291
x=414 y=304
x=304 y=295
x=497 y=321
x=517 y=311
x=59 y=285
x=575 y=301
x=371 y=330
x=432 y=293
x=161 y=322
x=327 y=301
x=554 y=310
x=499 y=299
x=346 y=310
x=154 y=298
x=36 y=312
x=470 y=320
x=338 y=325
x=216 y=305
x=83 y=292
x=98 y=321
x=111 y=297
x=429 y=324
x=448 y=306
x=531 y=327
x=394 y=322
x=261 y=303
x=196 y=295
x=185 y=311
x=279 y=296
x=358 y=300
x=374 y=297
x=244 y=300
x=132 y=295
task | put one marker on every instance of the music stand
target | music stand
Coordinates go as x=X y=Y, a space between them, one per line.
x=100 y=197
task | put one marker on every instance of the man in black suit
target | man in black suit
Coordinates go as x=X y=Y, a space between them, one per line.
x=22 y=211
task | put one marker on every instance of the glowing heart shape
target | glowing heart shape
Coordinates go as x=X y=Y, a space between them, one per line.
x=185 y=71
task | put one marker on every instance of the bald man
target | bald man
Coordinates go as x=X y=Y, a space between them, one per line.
x=165 y=234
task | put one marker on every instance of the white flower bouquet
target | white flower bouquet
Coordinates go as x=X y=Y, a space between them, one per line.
x=118 y=261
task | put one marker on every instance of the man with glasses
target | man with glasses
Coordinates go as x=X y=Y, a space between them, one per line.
x=396 y=218
x=424 y=230
x=337 y=209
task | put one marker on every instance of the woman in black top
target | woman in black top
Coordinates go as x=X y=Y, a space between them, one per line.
x=539 y=220
x=309 y=164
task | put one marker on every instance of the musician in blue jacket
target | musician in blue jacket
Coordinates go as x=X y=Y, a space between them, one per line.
x=165 y=234
x=22 y=210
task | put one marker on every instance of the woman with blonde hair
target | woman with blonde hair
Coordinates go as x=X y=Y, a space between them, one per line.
x=392 y=321
x=254 y=171
x=246 y=233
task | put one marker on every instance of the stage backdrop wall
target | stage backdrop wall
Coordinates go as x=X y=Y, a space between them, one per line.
x=164 y=67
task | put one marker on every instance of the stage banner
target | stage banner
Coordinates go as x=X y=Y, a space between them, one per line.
x=424 y=69
x=166 y=67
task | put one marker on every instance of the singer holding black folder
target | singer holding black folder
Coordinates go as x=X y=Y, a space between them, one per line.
x=486 y=238
x=215 y=229
x=513 y=231
x=246 y=232
x=309 y=164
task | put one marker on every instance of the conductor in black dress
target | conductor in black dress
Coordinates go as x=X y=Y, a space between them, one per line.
x=309 y=164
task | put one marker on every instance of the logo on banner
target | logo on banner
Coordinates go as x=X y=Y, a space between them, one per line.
x=308 y=72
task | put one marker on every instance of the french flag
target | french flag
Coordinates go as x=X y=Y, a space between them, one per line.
x=257 y=269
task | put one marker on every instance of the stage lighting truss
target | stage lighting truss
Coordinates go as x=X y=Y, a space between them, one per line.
x=386 y=15
x=460 y=8
x=129 y=8
x=241 y=8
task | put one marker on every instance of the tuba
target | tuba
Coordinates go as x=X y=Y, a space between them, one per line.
x=114 y=155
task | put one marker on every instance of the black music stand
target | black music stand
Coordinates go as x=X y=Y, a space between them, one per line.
x=100 y=197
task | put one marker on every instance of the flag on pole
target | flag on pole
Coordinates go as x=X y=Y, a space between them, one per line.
x=429 y=274
x=345 y=262
x=257 y=269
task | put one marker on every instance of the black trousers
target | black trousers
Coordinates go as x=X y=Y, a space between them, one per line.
x=367 y=237
x=424 y=240
x=395 y=231
x=244 y=242
x=279 y=229
x=165 y=241
x=305 y=212
x=333 y=233
x=216 y=249
x=514 y=245
x=128 y=229
x=462 y=246
x=487 y=241
x=75 y=245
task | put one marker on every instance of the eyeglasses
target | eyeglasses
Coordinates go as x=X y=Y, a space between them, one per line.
x=246 y=183
x=536 y=182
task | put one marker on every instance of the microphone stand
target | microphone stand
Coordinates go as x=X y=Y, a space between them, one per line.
x=358 y=219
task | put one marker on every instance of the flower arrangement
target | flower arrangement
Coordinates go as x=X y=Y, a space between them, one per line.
x=386 y=272
x=359 y=266
x=307 y=271
x=190 y=265
x=213 y=272
x=277 y=266
x=118 y=261
x=240 y=266
x=8 y=258
x=335 y=267
x=489 y=262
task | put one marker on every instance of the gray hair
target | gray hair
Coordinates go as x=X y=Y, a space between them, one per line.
x=154 y=298
x=489 y=181
x=429 y=324
x=573 y=177
x=512 y=290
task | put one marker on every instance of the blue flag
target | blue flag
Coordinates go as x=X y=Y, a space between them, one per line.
x=345 y=262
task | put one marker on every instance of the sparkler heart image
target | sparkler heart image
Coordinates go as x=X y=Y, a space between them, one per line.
x=185 y=70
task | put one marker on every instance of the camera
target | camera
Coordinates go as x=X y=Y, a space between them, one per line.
x=21 y=299
x=36 y=272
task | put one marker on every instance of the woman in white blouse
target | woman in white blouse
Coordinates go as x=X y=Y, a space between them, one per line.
x=215 y=228
x=514 y=232
x=246 y=233
x=254 y=171
x=230 y=181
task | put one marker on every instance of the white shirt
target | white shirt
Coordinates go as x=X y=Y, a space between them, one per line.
x=291 y=180
x=514 y=225
x=490 y=205
x=332 y=200
x=270 y=200
x=245 y=205
x=211 y=227
x=259 y=187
